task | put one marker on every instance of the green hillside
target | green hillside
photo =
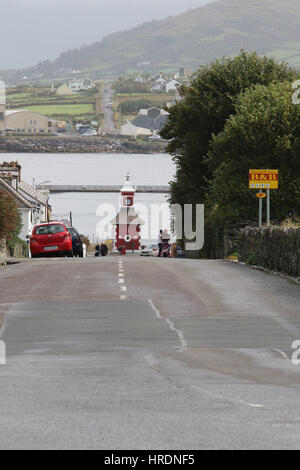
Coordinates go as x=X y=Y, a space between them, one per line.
x=221 y=28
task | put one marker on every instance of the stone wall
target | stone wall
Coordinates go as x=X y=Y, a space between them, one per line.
x=275 y=248
x=76 y=144
x=19 y=250
x=3 y=252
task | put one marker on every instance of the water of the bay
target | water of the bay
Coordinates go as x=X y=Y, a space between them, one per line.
x=95 y=169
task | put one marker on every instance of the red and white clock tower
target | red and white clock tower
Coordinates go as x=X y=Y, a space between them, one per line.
x=128 y=223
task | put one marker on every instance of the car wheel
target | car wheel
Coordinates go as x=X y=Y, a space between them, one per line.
x=70 y=254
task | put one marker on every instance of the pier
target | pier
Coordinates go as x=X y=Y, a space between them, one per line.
x=100 y=189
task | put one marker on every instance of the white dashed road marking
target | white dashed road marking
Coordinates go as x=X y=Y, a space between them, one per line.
x=122 y=281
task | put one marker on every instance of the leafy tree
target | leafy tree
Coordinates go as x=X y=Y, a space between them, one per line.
x=129 y=86
x=264 y=133
x=207 y=104
x=10 y=219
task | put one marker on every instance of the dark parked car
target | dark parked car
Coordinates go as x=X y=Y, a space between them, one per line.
x=77 y=242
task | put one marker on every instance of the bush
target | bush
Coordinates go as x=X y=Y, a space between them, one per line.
x=10 y=219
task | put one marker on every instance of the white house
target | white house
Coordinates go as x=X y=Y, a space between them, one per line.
x=81 y=84
x=148 y=122
x=161 y=80
x=139 y=79
x=158 y=88
x=172 y=85
x=39 y=201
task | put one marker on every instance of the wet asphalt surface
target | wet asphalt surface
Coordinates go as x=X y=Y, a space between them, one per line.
x=132 y=353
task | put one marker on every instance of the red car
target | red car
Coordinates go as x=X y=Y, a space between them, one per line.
x=50 y=239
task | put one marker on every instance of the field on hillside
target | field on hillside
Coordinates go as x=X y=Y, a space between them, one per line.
x=63 y=109
x=70 y=108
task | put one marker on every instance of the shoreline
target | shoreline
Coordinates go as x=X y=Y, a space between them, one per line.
x=77 y=144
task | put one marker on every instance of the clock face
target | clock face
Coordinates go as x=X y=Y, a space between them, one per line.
x=128 y=201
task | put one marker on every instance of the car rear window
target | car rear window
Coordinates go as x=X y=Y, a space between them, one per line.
x=50 y=229
x=72 y=231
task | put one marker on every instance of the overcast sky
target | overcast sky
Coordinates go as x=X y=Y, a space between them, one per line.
x=41 y=29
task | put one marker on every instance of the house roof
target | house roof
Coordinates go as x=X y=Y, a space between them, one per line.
x=8 y=112
x=22 y=201
x=33 y=193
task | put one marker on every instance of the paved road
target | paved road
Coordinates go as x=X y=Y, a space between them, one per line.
x=149 y=354
x=108 y=126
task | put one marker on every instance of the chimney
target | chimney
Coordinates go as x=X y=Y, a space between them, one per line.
x=11 y=173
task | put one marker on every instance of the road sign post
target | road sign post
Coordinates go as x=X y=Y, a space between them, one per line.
x=264 y=180
x=268 y=208
x=260 y=221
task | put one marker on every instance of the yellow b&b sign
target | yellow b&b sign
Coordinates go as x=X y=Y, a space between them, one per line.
x=263 y=179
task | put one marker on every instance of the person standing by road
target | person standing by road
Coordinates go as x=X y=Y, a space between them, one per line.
x=166 y=243
x=97 y=250
x=103 y=249
x=160 y=243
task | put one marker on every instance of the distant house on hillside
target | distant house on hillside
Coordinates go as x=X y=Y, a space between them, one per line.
x=139 y=79
x=64 y=90
x=172 y=85
x=158 y=88
x=79 y=85
x=161 y=80
x=148 y=122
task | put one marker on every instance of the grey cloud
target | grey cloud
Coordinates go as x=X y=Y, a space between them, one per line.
x=39 y=30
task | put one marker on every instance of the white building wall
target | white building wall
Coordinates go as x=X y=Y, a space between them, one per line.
x=129 y=129
x=26 y=223
x=132 y=130
x=172 y=86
